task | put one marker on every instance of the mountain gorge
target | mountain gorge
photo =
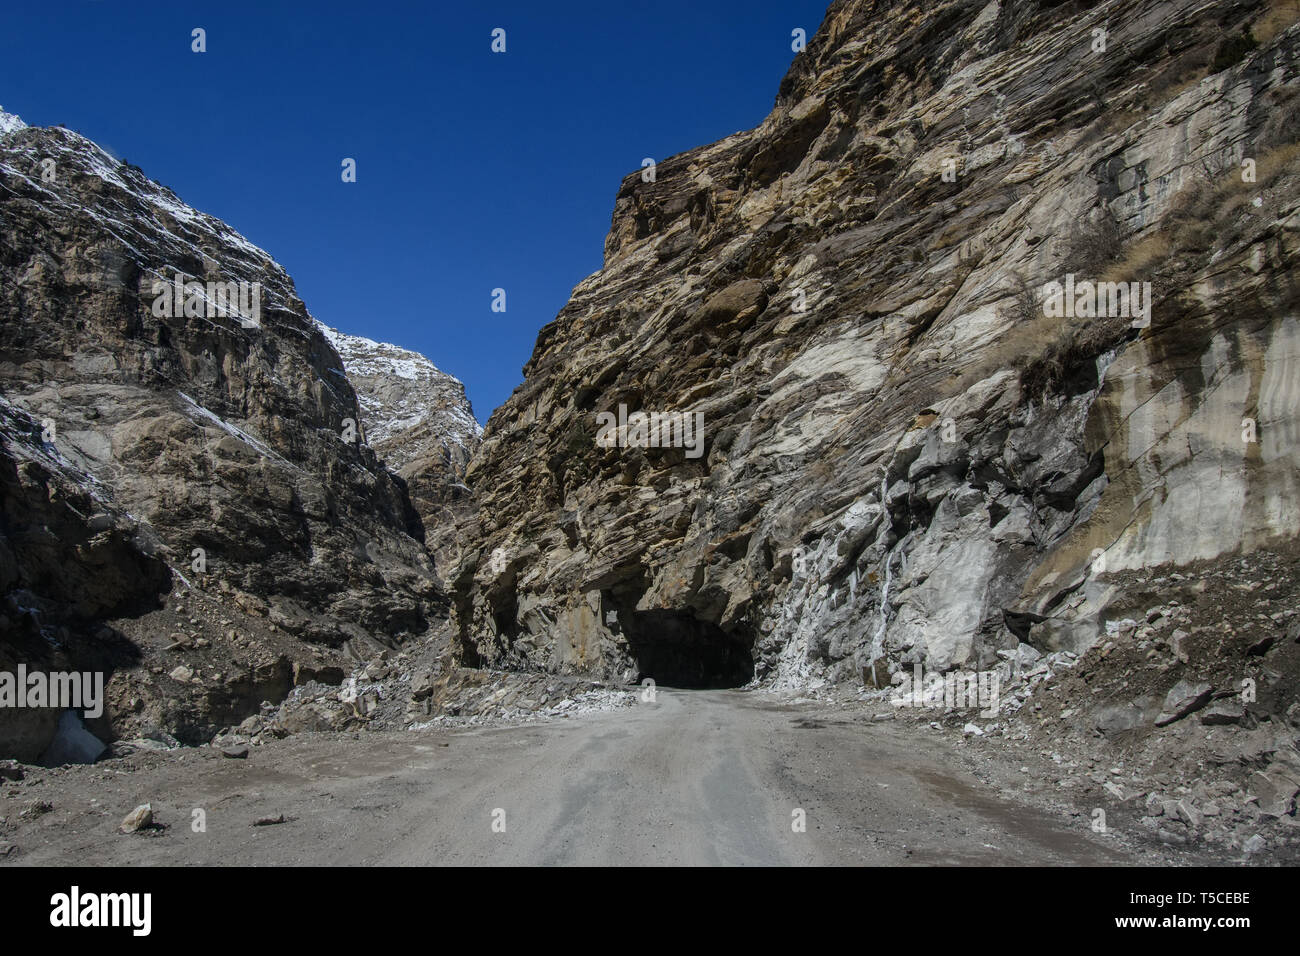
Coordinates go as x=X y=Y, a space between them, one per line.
x=978 y=355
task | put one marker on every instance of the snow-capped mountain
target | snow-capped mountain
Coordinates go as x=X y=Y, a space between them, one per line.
x=406 y=401
x=419 y=422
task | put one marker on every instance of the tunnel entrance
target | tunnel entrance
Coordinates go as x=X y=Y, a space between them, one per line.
x=674 y=649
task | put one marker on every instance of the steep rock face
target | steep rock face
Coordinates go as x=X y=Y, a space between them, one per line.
x=418 y=421
x=909 y=454
x=217 y=437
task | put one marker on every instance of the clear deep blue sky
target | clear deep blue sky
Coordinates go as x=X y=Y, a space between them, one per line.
x=475 y=170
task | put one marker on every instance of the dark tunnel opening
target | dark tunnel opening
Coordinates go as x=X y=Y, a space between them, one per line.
x=674 y=649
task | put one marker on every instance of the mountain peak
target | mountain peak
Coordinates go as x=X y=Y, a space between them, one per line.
x=400 y=390
x=9 y=123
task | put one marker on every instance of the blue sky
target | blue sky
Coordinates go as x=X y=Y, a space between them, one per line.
x=475 y=170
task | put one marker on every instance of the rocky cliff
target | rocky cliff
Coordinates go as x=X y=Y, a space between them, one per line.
x=189 y=503
x=912 y=449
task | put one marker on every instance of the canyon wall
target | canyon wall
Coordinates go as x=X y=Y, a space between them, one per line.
x=910 y=454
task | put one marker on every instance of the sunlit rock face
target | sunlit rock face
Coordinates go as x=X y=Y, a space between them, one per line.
x=910 y=453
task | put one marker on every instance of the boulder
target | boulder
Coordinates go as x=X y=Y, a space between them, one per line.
x=141 y=818
x=1185 y=697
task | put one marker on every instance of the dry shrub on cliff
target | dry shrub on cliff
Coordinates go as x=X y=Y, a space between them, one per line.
x=1139 y=259
x=1206 y=212
x=1053 y=354
x=1033 y=336
x=1098 y=242
x=1069 y=363
x=1276 y=163
x=1027 y=300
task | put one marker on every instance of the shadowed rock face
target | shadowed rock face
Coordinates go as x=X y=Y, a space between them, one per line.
x=906 y=455
x=152 y=458
x=67 y=558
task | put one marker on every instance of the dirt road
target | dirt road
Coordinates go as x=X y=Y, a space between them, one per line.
x=698 y=777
